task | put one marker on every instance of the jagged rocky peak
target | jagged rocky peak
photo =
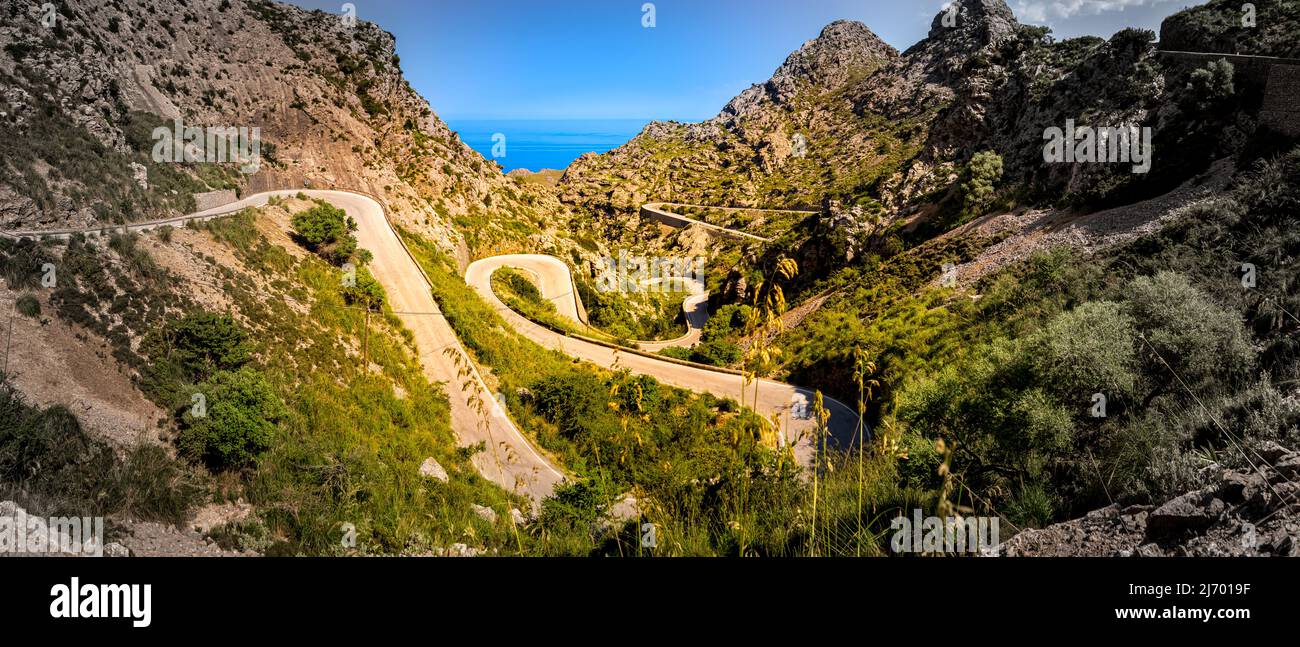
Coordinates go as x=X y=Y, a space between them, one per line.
x=975 y=23
x=844 y=49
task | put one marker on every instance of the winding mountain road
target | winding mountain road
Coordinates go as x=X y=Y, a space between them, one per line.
x=511 y=460
x=662 y=212
x=790 y=406
x=556 y=284
x=696 y=308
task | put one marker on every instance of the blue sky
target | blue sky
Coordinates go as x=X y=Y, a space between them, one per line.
x=593 y=59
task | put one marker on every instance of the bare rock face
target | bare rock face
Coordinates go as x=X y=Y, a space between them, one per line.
x=1194 y=511
x=1239 y=513
x=974 y=23
x=17 y=210
x=946 y=72
x=114 y=549
x=843 y=49
x=842 y=233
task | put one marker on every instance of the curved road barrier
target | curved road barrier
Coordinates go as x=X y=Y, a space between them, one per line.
x=696 y=309
x=558 y=287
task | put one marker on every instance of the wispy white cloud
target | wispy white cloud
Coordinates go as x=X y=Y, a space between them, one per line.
x=1045 y=11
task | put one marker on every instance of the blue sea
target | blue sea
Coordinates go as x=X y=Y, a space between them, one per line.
x=546 y=144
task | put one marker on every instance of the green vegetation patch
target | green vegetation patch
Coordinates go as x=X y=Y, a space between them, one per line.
x=699 y=466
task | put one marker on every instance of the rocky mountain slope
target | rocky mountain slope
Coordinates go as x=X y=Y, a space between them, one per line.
x=771 y=131
x=850 y=119
x=81 y=99
x=846 y=115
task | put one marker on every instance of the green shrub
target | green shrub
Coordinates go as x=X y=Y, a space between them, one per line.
x=51 y=464
x=155 y=486
x=521 y=286
x=678 y=352
x=716 y=352
x=1087 y=350
x=201 y=344
x=22 y=262
x=1031 y=507
x=327 y=231
x=575 y=506
x=1212 y=86
x=367 y=292
x=239 y=422
x=1185 y=332
x=1007 y=427
x=718 y=341
x=982 y=177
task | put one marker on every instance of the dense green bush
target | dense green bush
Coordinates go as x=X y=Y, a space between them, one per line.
x=1210 y=87
x=716 y=352
x=719 y=341
x=22 y=262
x=204 y=342
x=1183 y=331
x=189 y=350
x=982 y=176
x=366 y=292
x=239 y=422
x=327 y=231
x=1006 y=426
x=1085 y=351
x=521 y=286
